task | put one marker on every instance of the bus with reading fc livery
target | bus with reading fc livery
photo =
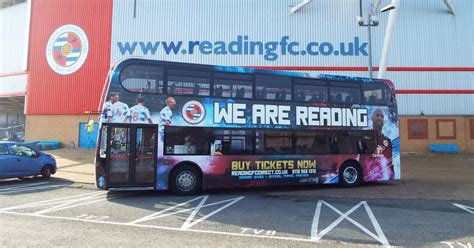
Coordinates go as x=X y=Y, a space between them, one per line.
x=205 y=126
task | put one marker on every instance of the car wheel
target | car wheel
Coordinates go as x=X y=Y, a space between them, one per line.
x=46 y=172
x=350 y=174
x=186 y=180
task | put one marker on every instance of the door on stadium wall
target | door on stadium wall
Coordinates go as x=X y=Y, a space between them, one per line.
x=131 y=158
x=88 y=139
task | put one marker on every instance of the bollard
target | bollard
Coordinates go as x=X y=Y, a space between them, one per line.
x=71 y=145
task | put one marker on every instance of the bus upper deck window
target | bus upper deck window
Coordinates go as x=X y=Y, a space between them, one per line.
x=309 y=90
x=142 y=79
x=185 y=82
x=376 y=93
x=345 y=95
x=233 y=85
x=273 y=87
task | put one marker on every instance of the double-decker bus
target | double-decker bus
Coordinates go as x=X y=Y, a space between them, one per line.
x=224 y=127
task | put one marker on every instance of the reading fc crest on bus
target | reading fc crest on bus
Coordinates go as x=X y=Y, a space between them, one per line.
x=67 y=49
x=193 y=112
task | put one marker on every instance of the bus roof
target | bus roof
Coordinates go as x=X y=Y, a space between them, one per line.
x=238 y=69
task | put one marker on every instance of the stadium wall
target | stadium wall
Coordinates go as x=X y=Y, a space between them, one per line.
x=432 y=67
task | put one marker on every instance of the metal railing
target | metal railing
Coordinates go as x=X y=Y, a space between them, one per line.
x=13 y=133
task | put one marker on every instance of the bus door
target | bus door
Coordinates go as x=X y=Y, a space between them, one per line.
x=131 y=155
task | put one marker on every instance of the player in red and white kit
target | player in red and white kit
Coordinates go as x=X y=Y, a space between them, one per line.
x=139 y=113
x=379 y=165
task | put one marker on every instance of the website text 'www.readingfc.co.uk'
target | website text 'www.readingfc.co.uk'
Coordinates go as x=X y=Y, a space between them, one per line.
x=244 y=45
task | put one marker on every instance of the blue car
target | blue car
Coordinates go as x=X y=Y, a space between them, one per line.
x=18 y=160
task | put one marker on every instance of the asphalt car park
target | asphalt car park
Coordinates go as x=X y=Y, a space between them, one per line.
x=59 y=212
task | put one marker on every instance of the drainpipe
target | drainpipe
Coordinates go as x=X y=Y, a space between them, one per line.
x=388 y=39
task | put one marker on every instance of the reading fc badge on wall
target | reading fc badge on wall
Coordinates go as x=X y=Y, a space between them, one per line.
x=67 y=49
x=193 y=112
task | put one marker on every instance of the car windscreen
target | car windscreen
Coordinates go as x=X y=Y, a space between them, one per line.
x=21 y=150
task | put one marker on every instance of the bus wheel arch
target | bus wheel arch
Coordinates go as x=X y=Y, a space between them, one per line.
x=186 y=178
x=350 y=174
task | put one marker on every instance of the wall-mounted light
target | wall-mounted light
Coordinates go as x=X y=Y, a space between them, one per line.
x=372 y=21
x=450 y=6
x=387 y=8
x=299 y=6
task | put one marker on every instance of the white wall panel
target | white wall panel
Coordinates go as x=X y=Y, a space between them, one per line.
x=14 y=25
x=436 y=104
x=13 y=84
x=426 y=35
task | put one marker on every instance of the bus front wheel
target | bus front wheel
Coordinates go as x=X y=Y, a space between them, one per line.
x=186 y=180
x=350 y=174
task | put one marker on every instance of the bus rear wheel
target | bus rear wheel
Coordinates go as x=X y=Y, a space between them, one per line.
x=186 y=180
x=350 y=174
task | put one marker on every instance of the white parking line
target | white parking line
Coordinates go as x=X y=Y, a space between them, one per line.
x=189 y=221
x=89 y=217
x=171 y=228
x=44 y=203
x=315 y=235
x=81 y=204
x=67 y=202
x=464 y=207
x=22 y=189
x=22 y=186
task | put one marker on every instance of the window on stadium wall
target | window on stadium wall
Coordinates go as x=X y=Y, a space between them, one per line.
x=471 y=128
x=417 y=129
x=446 y=129
x=4 y=4
x=471 y=125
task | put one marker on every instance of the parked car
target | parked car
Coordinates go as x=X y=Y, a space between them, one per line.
x=19 y=160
